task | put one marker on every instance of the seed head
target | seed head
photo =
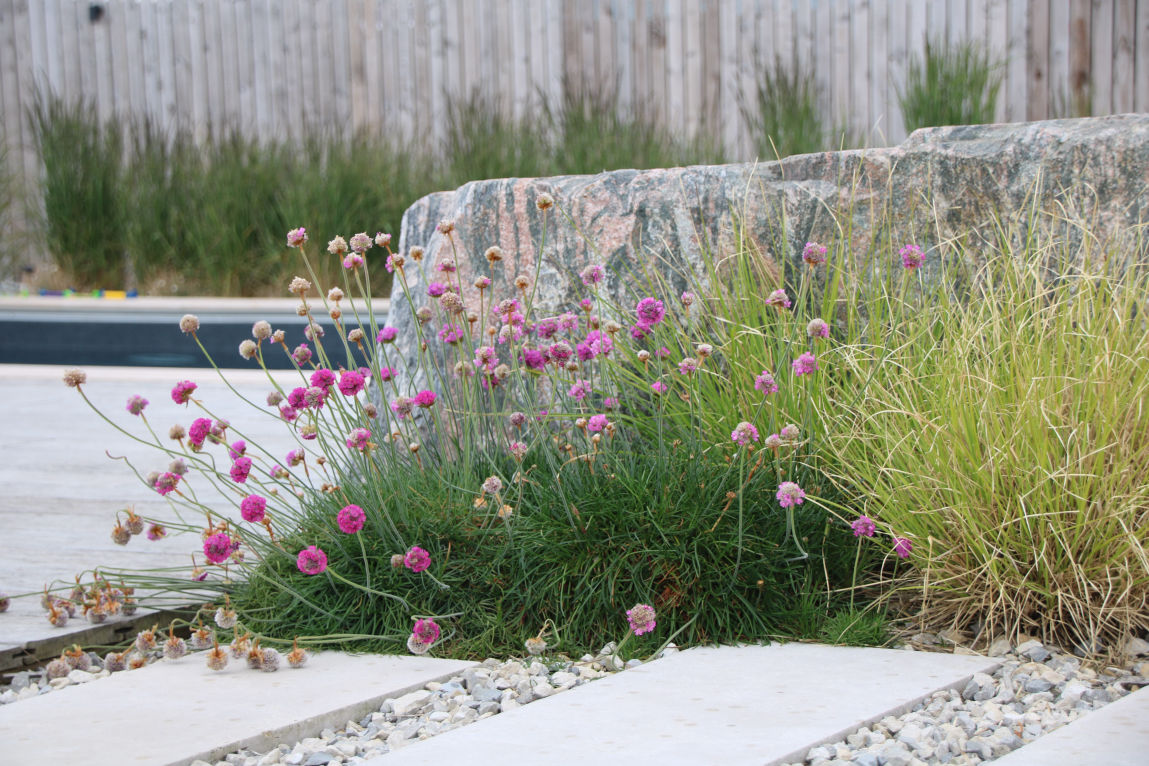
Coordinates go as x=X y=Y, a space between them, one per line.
x=337 y=246
x=299 y=286
x=189 y=323
x=535 y=646
x=423 y=314
x=176 y=432
x=261 y=330
x=296 y=658
x=544 y=201
x=268 y=660
x=114 y=662
x=175 y=647
x=248 y=349
x=120 y=534
x=217 y=658
x=296 y=237
x=57 y=668
x=355 y=335
x=75 y=378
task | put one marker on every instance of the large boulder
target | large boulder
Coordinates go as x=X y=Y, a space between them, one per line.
x=942 y=184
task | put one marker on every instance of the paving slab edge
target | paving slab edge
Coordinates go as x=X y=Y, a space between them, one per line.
x=799 y=756
x=313 y=725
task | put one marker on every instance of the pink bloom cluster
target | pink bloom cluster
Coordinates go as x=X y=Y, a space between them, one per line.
x=814 y=254
x=311 y=560
x=218 y=547
x=765 y=383
x=136 y=404
x=806 y=364
x=744 y=434
x=182 y=391
x=641 y=618
x=417 y=559
x=912 y=257
x=253 y=508
x=351 y=382
x=240 y=469
x=864 y=526
x=351 y=519
x=358 y=439
x=790 y=494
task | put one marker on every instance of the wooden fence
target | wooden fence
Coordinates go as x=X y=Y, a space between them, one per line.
x=272 y=66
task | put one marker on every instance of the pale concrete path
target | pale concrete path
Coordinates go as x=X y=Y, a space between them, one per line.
x=1115 y=735
x=753 y=705
x=59 y=491
x=172 y=713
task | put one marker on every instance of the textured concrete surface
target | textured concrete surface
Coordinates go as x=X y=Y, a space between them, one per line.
x=59 y=490
x=171 y=713
x=1115 y=735
x=748 y=705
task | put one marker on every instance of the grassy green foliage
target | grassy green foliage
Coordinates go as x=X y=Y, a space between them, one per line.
x=194 y=217
x=782 y=113
x=1004 y=430
x=953 y=84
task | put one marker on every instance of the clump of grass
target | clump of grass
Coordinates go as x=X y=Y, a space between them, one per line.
x=953 y=84
x=483 y=142
x=782 y=113
x=1004 y=431
x=83 y=188
x=852 y=627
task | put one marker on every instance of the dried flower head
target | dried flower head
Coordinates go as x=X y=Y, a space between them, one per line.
x=778 y=299
x=75 y=378
x=641 y=618
x=360 y=243
x=814 y=254
x=494 y=254
x=189 y=323
x=296 y=237
x=446 y=226
x=544 y=201
x=157 y=532
x=176 y=432
x=381 y=239
x=744 y=434
x=120 y=534
x=535 y=646
x=337 y=246
x=268 y=660
x=492 y=485
x=261 y=330
x=175 y=647
x=248 y=349
x=790 y=494
x=217 y=658
x=296 y=658
x=355 y=335
x=817 y=328
x=299 y=286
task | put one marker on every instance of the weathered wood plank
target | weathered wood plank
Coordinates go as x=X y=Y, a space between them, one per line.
x=1101 y=56
x=1017 y=73
x=728 y=76
x=1059 y=58
x=1037 y=105
x=1125 y=24
x=692 y=65
x=1141 y=61
x=997 y=45
x=1080 y=69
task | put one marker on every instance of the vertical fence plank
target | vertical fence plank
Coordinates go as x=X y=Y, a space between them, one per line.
x=1080 y=71
x=1141 y=61
x=692 y=66
x=1123 y=69
x=675 y=118
x=624 y=41
x=1037 y=104
x=898 y=22
x=860 y=72
x=1017 y=73
x=519 y=55
x=640 y=98
x=997 y=45
x=12 y=134
x=878 y=51
x=727 y=53
x=656 y=51
x=1101 y=56
x=1058 y=58
x=437 y=80
x=165 y=56
x=842 y=78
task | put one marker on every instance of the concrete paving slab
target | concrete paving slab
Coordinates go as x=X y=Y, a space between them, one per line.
x=1115 y=735
x=755 y=705
x=59 y=491
x=172 y=713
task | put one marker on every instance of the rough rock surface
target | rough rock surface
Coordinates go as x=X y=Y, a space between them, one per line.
x=939 y=183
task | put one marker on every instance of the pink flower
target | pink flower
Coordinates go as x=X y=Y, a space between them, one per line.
x=401 y=406
x=568 y=322
x=492 y=485
x=579 y=390
x=182 y=391
x=639 y=331
x=818 y=329
x=381 y=239
x=903 y=547
x=599 y=343
x=912 y=258
x=426 y=631
x=351 y=519
x=592 y=275
x=360 y=243
x=863 y=526
x=417 y=559
x=386 y=373
x=778 y=299
x=167 y=482
x=597 y=423
x=744 y=434
x=641 y=618
x=424 y=398
x=451 y=334
x=610 y=403
x=658 y=387
x=359 y=439
x=649 y=312
x=814 y=254
x=157 y=532
x=765 y=383
x=198 y=431
x=806 y=364
x=534 y=359
x=296 y=237
x=217 y=548
x=301 y=355
x=295 y=457
x=351 y=383
x=240 y=469
x=790 y=494
x=311 y=560
x=688 y=366
x=352 y=260
x=435 y=289
x=688 y=299
x=662 y=353
x=136 y=404
x=253 y=508
x=560 y=352
x=323 y=378
x=387 y=335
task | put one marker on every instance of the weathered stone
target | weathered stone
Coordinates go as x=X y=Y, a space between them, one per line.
x=939 y=184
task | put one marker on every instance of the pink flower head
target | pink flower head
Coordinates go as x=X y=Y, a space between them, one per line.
x=658 y=387
x=240 y=469
x=381 y=239
x=360 y=243
x=288 y=413
x=814 y=254
x=599 y=343
x=217 y=548
x=903 y=547
x=597 y=423
x=236 y=449
x=386 y=373
x=744 y=434
x=592 y=275
x=351 y=519
x=806 y=364
x=790 y=494
x=765 y=383
x=182 y=391
x=253 y=508
x=487 y=358
x=547 y=328
x=641 y=618
x=568 y=322
x=313 y=331
x=534 y=359
x=586 y=304
x=649 y=311
x=315 y=397
x=351 y=383
x=296 y=237
x=401 y=406
x=297 y=398
x=157 y=532
x=818 y=328
x=688 y=366
x=778 y=299
x=387 y=335
x=136 y=404
x=323 y=378
x=425 y=631
x=198 y=431
x=639 y=331
x=358 y=439
x=295 y=457
x=311 y=560
x=863 y=526
x=435 y=289
x=425 y=398
x=579 y=390
x=166 y=482
x=451 y=334
x=610 y=403
x=688 y=299
x=662 y=353
x=446 y=266
x=301 y=355
x=560 y=352
x=417 y=559
x=352 y=260
x=912 y=257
